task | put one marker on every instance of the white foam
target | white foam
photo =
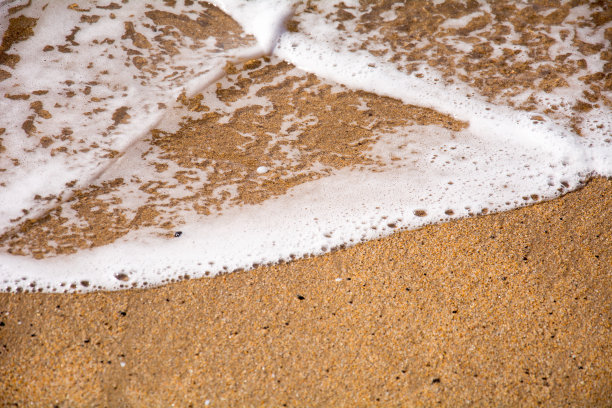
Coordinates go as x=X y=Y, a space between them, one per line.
x=504 y=159
x=282 y=228
x=116 y=82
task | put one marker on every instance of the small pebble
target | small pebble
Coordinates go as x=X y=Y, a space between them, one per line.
x=178 y=234
x=262 y=170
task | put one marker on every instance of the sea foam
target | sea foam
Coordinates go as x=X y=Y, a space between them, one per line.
x=107 y=116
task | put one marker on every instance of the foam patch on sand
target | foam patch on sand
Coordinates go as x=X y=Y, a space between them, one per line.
x=265 y=130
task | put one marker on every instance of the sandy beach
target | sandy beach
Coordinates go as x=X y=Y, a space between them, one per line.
x=509 y=309
x=498 y=309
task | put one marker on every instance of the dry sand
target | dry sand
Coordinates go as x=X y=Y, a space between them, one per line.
x=510 y=309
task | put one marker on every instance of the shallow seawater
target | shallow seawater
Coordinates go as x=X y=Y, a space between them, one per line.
x=141 y=143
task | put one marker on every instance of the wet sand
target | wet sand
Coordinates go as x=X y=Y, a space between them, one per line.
x=509 y=309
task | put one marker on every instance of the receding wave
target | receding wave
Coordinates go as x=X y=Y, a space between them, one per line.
x=143 y=144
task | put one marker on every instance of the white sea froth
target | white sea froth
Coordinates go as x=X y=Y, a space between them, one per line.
x=500 y=158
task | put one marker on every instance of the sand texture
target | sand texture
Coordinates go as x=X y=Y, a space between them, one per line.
x=509 y=309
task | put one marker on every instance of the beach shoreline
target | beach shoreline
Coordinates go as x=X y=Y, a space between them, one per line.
x=150 y=142
x=505 y=309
